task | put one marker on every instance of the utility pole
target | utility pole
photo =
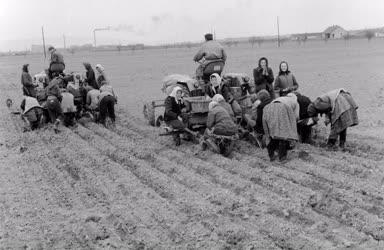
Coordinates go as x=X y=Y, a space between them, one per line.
x=42 y=32
x=278 y=33
x=65 y=47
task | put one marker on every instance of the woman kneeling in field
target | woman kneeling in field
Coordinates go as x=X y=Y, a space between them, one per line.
x=279 y=123
x=32 y=112
x=340 y=111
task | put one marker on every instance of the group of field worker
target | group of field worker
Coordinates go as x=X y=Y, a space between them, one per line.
x=59 y=98
x=279 y=115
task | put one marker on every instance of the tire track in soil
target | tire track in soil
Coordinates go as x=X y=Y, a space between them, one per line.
x=205 y=210
x=375 y=235
x=158 y=214
x=183 y=164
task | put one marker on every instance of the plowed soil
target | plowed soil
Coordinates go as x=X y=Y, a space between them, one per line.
x=126 y=187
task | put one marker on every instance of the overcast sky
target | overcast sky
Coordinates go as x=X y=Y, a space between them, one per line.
x=162 y=21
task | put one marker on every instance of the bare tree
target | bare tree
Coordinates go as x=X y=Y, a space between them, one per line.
x=369 y=34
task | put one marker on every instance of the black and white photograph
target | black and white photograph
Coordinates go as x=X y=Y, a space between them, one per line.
x=180 y=124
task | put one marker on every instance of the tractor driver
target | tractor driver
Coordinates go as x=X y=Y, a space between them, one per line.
x=210 y=51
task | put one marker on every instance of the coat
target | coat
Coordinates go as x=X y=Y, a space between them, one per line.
x=279 y=122
x=53 y=88
x=93 y=99
x=219 y=120
x=285 y=81
x=172 y=109
x=91 y=79
x=263 y=81
x=28 y=87
x=67 y=103
x=259 y=115
x=211 y=50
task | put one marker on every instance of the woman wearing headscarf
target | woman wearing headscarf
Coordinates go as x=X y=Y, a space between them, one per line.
x=220 y=100
x=107 y=101
x=263 y=76
x=279 y=124
x=221 y=87
x=90 y=77
x=285 y=81
x=173 y=111
x=340 y=111
x=219 y=121
x=32 y=112
x=304 y=126
x=53 y=100
x=173 y=106
x=101 y=75
x=263 y=98
x=26 y=81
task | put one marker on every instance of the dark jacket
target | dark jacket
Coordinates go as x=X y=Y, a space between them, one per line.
x=304 y=102
x=223 y=90
x=285 y=82
x=263 y=81
x=26 y=81
x=259 y=117
x=57 y=58
x=221 y=121
x=53 y=88
x=172 y=109
x=90 y=76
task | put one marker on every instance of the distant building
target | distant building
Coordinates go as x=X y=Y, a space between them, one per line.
x=334 y=32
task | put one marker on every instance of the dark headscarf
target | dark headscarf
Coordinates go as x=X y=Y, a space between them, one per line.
x=25 y=68
x=87 y=65
x=286 y=72
x=263 y=58
x=311 y=110
x=263 y=95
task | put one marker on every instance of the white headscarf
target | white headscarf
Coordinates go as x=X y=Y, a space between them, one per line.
x=212 y=104
x=99 y=68
x=174 y=92
x=218 y=79
x=218 y=98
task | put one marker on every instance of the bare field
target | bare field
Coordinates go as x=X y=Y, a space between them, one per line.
x=128 y=188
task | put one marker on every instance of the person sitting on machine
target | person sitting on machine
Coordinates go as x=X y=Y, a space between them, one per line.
x=173 y=109
x=209 y=52
x=56 y=64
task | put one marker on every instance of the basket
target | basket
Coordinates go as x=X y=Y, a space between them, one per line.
x=199 y=104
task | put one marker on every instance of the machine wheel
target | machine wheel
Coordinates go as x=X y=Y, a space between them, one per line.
x=149 y=113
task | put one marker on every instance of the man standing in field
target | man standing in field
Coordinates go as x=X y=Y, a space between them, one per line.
x=56 y=64
x=210 y=51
